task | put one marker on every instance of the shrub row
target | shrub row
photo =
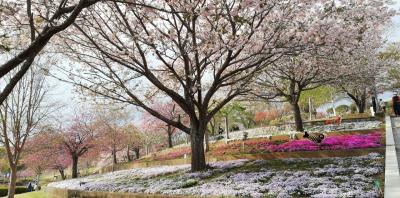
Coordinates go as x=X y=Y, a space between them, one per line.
x=18 y=190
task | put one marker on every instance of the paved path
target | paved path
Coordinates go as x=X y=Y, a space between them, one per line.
x=392 y=158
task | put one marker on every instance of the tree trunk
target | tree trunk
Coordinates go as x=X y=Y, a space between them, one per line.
x=128 y=155
x=12 y=182
x=38 y=179
x=114 y=155
x=198 y=161
x=207 y=143
x=226 y=128
x=297 y=117
x=361 y=107
x=137 y=153
x=360 y=99
x=74 y=166
x=361 y=104
x=170 y=145
x=146 y=147
x=212 y=126
x=62 y=173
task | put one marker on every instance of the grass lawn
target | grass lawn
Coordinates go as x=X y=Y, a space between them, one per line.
x=36 y=194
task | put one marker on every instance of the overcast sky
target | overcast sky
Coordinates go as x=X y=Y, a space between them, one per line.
x=393 y=33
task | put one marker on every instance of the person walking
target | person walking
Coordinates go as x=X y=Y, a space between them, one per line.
x=396 y=104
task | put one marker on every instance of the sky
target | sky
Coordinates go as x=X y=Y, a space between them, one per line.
x=64 y=93
x=393 y=33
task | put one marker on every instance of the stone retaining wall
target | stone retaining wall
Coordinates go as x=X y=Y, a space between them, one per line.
x=65 y=193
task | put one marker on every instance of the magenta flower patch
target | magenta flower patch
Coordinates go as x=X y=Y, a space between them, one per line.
x=330 y=143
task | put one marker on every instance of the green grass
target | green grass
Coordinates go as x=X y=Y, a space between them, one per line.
x=36 y=194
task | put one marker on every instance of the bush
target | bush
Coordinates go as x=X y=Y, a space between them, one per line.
x=342 y=109
x=353 y=108
x=189 y=183
x=275 y=122
x=24 y=181
x=18 y=190
x=220 y=137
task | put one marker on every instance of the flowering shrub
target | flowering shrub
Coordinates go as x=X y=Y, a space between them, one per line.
x=176 y=153
x=371 y=140
x=330 y=143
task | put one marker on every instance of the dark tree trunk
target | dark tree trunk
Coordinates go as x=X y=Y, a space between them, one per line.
x=114 y=155
x=297 y=117
x=170 y=130
x=12 y=182
x=360 y=100
x=137 y=153
x=361 y=105
x=74 y=166
x=207 y=142
x=62 y=173
x=128 y=155
x=198 y=161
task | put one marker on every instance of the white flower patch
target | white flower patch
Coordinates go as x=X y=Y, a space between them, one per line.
x=304 y=177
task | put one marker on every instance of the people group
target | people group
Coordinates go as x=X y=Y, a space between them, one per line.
x=32 y=186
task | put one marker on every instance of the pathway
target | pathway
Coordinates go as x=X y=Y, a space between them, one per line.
x=392 y=158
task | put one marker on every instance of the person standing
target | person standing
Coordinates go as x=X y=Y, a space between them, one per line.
x=371 y=108
x=29 y=187
x=396 y=104
x=374 y=104
x=382 y=105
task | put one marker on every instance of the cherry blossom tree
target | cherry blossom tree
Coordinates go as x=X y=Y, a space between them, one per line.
x=170 y=111
x=367 y=65
x=111 y=137
x=26 y=28
x=77 y=139
x=134 y=140
x=293 y=76
x=391 y=56
x=339 y=50
x=358 y=87
x=151 y=139
x=42 y=154
x=199 y=54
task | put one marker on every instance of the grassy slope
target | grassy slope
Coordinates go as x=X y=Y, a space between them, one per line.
x=37 y=194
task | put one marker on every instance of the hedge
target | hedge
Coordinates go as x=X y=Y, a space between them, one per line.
x=18 y=190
